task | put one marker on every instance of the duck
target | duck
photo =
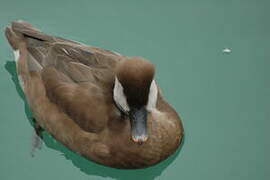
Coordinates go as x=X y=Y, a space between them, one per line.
x=105 y=106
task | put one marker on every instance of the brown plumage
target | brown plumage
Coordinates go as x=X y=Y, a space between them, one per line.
x=69 y=87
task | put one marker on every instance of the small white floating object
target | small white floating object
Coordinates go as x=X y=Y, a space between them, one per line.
x=226 y=50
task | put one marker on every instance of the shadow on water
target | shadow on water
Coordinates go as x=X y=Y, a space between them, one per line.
x=85 y=165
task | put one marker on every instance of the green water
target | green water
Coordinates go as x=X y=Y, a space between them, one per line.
x=223 y=98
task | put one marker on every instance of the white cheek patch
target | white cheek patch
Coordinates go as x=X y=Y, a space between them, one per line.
x=152 y=97
x=119 y=96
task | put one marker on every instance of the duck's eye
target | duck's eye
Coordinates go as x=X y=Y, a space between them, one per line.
x=152 y=97
x=119 y=97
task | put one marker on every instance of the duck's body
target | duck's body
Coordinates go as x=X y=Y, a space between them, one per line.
x=69 y=87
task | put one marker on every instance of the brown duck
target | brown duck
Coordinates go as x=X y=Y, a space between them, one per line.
x=100 y=104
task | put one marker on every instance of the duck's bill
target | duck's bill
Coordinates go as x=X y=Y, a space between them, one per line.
x=138 y=118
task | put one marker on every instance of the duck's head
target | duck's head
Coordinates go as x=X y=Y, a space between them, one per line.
x=135 y=94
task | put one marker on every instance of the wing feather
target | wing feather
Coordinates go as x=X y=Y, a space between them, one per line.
x=76 y=100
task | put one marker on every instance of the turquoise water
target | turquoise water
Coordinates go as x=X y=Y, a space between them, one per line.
x=223 y=98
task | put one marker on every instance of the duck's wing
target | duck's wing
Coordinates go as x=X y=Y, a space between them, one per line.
x=67 y=56
x=28 y=30
x=76 y=77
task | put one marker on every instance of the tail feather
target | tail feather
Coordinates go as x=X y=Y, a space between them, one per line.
x=18 y=36
x=19 y=32
x=29 y=31
x=28 y=40
x=13 y=38
x=23 y=37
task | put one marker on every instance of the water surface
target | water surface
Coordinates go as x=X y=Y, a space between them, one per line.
x=223 y=98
